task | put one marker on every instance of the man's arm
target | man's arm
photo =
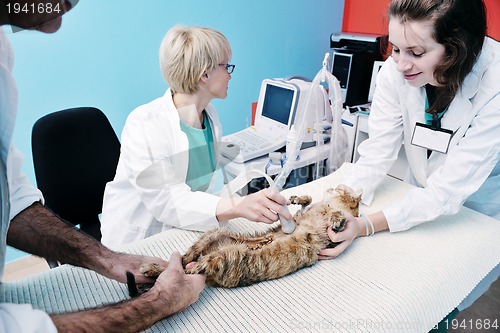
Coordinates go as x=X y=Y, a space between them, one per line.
x=173 y=291
x=39 y=231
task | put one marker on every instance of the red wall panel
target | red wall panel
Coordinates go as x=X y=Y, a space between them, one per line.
x=370 y=16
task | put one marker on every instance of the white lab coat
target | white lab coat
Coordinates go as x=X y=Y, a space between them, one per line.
x=135 y=206
x=468 y=174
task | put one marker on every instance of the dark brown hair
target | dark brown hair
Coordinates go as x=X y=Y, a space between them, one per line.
x=460 y=26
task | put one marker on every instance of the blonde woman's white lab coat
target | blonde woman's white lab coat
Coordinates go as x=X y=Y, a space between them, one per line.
x=149 y=193
x=468 y=174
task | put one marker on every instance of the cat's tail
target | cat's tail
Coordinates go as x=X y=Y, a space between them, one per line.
x=131 y=285
x=135 y=289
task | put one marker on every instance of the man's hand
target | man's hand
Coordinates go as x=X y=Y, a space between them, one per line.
x=173 y=292
x=176 y=287
x=120 y=263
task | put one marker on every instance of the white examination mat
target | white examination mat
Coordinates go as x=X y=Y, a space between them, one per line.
x=401 y=282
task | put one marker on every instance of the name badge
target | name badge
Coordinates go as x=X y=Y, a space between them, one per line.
x=437 y=139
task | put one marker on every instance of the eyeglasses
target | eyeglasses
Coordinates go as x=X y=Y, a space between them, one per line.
x=229 y=68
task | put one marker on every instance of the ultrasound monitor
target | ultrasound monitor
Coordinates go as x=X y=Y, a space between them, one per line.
x=278 y=103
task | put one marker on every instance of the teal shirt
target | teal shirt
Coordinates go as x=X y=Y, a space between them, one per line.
x=201 y=155
x=429 y=117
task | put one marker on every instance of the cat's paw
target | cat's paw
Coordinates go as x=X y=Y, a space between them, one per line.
x=194 y=268
x=304 y=200
x=151 y=270
x=190 y=256
x=339 y=223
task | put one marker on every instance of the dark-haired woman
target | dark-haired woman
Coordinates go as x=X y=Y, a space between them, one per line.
x=439 y=94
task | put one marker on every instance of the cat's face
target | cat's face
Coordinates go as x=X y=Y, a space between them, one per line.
x=344 y=199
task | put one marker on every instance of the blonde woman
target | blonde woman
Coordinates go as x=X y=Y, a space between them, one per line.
x=179 y=131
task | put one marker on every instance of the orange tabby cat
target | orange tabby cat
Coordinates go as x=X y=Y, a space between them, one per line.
x=229 y=259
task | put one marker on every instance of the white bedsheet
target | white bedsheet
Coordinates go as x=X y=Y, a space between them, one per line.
x=401 y=282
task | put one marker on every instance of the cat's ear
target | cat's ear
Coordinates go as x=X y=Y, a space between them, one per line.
x=344 y=189
x=353 y=198
x=357 y=197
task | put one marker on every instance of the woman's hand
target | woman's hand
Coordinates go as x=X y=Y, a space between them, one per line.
x=352 y=230
x=355 y=227
x=263 y=206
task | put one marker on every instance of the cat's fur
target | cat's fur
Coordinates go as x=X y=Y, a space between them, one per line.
x=229 y=259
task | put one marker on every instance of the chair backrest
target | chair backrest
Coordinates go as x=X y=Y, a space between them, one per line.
x=75 y=153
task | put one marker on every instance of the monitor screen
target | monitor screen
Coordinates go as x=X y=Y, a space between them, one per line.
x=278 y=103
x=341 y=68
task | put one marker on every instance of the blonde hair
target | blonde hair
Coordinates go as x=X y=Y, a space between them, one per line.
x=186 y=53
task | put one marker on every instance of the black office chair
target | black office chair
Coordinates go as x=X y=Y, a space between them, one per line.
x=75 y=153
